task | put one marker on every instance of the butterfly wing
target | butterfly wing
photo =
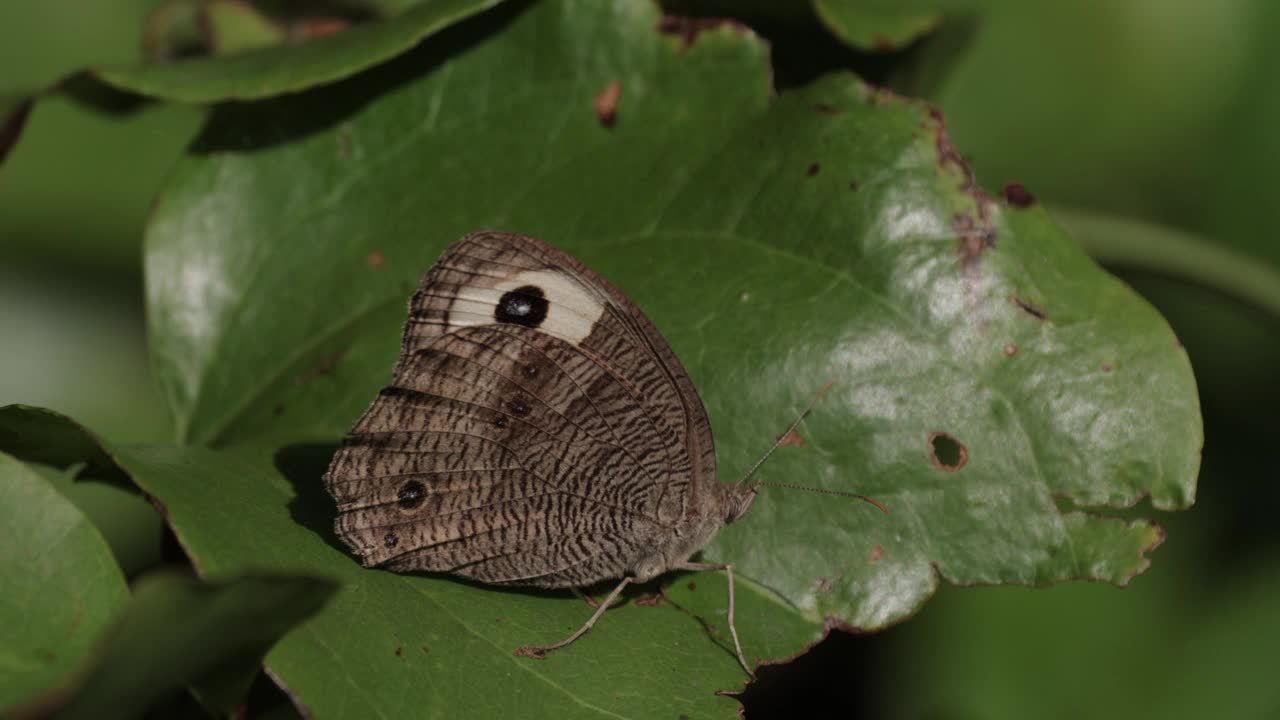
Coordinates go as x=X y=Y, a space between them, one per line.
x=538 y=429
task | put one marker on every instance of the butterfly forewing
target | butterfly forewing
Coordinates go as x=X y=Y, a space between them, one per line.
x=537 y=431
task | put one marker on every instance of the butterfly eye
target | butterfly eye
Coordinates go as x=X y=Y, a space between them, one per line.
x=525 y=305
x=411 y=495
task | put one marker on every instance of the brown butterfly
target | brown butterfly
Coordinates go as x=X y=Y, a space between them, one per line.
x=538 y=431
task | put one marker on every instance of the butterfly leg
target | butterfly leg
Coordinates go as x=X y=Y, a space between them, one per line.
x=733 y=629
x=585 y=598
x=540 y=651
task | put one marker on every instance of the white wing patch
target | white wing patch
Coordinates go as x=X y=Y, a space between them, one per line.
x=572 y=309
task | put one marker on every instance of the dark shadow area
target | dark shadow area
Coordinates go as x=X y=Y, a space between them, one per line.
x=802 y=49
x=303 y=465
x=839 y=677
x=87 y=89
x=248 y=126
x=12 y=120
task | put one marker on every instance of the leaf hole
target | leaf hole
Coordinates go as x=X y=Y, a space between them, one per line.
x=946 y=452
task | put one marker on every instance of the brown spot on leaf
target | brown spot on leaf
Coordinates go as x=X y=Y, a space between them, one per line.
x=1010 y=349
x=344 y=141
x=75 y=619
x=324 y=367
x=426 y=650
x=812 y=170
x=853 y=185
x=825 y=109
x=1029 y=309
x=319 y=27
x=876 y=553
x=375 y=260
x=791 y=438
x=946 y=452
x=882 y=43
x=606 y=104
x=688 y=28
x=976 y=233
x=399 y=652
x=823 y=585
x=1017 y=196
x=1106 y=367
x=975 y=237
x=692 y=585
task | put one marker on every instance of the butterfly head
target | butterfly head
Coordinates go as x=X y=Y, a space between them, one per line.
x=737 y=501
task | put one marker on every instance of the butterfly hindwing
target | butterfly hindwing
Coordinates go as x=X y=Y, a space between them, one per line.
x=537 y=430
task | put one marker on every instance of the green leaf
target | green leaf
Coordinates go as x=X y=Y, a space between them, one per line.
x=778 y=242
x=40 y=436
x=61 y=584
x=876 y=25
x=236 y=26
x=258 y=510
x=280 y=69
x=179 y=631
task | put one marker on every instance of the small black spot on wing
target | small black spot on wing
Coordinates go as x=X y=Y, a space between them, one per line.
x=411 y=495
x=525 y=306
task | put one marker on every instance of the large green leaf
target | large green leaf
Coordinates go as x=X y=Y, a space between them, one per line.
x=277 y=69
x=61 y=584
x=392 y=642
x=178 y=631
x=831 y=232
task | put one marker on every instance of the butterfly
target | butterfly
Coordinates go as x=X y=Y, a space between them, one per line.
x=538 y=431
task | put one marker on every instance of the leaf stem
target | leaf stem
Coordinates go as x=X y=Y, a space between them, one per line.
x=1119 y=242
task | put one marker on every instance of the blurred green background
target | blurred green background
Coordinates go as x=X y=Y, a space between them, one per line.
x=1148 y=126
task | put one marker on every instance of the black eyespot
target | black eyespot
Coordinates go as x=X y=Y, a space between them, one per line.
x=411 y=495
x=518 y=407
x=391 y=540
x=523 y=306
x=500 y=421
x=530 y=371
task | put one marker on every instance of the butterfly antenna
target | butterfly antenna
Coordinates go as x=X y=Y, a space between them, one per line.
x=782 y=438
x=824 y=491
x=778 y=443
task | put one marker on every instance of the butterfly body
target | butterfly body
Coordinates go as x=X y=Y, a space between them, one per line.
x=538 y=431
